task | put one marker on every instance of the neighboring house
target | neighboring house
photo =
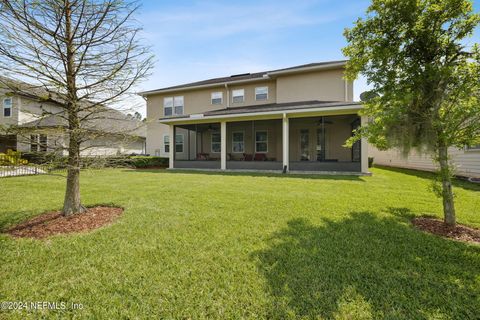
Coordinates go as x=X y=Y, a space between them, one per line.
x=293 y=119
x=466 y=162
x=43 y=124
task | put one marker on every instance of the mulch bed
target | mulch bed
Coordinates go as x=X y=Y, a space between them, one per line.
x=435 y=226
x=52 y=223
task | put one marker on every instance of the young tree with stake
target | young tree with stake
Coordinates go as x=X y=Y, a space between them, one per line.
x=425 y=77
x=87 y=51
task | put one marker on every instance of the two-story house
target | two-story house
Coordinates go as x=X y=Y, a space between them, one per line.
x=293 y=119
x=43 y=124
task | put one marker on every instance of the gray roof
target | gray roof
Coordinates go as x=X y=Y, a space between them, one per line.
x=313 y=104
x=105 y=120
x=245 y=76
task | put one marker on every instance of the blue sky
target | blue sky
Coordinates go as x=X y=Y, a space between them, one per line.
x=196 y=40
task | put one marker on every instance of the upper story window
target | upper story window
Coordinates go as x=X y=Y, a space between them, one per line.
x=173 y=106
x=261 y=93
x=238 y=96
x=7 y=107
x=217 y=97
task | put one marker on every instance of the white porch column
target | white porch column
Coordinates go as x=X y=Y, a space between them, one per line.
x=223 y=143
x=171 y=153
x=285 y=142
x=364 y=148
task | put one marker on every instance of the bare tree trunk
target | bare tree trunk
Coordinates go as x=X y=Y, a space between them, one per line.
x=447 y=192
x=72 y=202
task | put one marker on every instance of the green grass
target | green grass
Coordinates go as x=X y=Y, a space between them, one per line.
x=221 y=246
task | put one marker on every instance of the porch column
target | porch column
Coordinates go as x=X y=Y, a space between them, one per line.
x=286 y=142
x=364 y=148
x=171 y=154
x=223 y=144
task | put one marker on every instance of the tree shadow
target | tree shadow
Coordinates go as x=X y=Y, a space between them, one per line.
x=457 y=182
x=253 y=174
x=371 y=268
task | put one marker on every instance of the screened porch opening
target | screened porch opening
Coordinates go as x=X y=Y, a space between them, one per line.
x=197 y=146
x=317 y=144
x=254 y=145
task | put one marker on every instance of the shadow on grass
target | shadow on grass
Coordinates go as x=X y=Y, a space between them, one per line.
x=365 y=267
x=253 y=174
x=459 y=183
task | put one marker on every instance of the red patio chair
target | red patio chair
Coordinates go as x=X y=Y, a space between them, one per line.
x=260 y=157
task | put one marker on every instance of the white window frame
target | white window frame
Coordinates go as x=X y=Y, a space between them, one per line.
x=256 y=94
x=7 y=107
x=42 y=145
x=165 y=107
x=174 y=101
x=219 y=143
x=180 y=144
x=256 y=151
x=242 y=95
x=166 y=142
x=243 y=142
x=34 y=142
x=175 y=105
x=212 y=98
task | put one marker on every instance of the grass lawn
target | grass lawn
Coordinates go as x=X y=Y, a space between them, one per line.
x=198 y=245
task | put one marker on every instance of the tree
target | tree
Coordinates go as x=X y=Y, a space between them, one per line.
x=85 y=53
x=425 y=78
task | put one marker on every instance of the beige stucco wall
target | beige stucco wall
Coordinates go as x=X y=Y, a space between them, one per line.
x=326 y=85
x=13 y=120
x=466 y=162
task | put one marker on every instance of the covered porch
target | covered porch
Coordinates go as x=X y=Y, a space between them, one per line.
x=312 y=143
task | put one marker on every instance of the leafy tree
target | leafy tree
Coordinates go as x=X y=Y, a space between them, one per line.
x=425 y=78
x=85 y=52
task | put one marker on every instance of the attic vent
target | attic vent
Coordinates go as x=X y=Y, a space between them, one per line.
x=240 y=75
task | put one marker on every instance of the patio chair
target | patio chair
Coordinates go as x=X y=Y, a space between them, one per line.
x=247 y=157
x=260 y=157
x=202 y=156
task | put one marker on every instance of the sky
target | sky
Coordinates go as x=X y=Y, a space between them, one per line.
x=198 y=40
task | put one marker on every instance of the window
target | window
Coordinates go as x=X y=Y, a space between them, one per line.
x=7 y=107
x=179 y=143
x=261 y=141
x=217 y=97
x=216 y=142
x=173 y=106
x=168 y=106
x=166 y=143
x=178 y=105
x=33 y=143
x=238 y=96
x=261 y=93
x=238 y=143
x=43 y=143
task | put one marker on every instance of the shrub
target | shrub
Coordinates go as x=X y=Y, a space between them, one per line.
x=12 y=158
x=148 y=161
